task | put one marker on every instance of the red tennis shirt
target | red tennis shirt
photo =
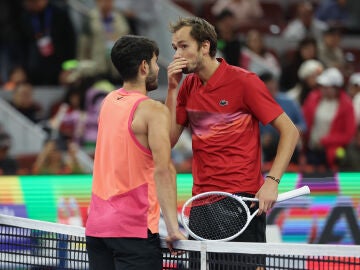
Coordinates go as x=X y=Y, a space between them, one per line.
x=223 y=116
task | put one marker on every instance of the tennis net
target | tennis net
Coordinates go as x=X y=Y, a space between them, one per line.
x=32 y=244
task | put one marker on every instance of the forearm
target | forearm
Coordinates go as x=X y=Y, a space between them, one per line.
x=287 y=143
x=167 y=195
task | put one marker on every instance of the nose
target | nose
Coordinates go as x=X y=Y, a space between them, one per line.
x=177 y=54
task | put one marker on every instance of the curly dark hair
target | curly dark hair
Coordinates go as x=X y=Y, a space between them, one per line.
x=128 y=53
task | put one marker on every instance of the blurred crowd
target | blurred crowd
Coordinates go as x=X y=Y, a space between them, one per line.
x=316 y=81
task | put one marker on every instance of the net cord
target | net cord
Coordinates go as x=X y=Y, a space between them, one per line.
x=42 y=225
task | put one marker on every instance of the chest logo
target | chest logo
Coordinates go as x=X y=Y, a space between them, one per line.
x=223 y=102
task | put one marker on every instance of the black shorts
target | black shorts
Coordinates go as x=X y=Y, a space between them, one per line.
x=256 y=230
x=124 y=253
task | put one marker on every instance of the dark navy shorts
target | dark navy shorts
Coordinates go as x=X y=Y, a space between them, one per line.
x=124 y=253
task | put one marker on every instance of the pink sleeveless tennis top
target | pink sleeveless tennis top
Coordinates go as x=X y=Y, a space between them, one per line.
x=123 y=201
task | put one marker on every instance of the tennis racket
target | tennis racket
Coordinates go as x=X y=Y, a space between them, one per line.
x=222 y=216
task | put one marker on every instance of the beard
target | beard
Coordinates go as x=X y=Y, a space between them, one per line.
x=186 y=70
x=151 y=82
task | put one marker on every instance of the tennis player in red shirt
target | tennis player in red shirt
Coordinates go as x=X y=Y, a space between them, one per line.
x=222 y=106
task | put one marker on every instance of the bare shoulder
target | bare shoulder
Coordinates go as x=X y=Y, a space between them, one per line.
x=151 y=107
x=150 y=114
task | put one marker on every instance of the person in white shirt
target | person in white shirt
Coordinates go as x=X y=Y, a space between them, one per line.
x=305 y=24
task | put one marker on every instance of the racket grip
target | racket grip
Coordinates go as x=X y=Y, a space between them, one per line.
x=293 y=193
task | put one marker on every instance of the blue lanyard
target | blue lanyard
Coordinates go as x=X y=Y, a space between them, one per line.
x=35 y=21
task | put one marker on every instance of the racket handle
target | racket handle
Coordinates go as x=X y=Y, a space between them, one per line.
x=293 y=193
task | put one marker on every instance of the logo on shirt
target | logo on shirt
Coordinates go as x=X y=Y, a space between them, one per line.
x=223 y=102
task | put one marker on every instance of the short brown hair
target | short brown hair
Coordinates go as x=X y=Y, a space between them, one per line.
x=201 y=30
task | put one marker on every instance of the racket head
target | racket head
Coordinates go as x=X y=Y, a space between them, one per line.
x=215 y=216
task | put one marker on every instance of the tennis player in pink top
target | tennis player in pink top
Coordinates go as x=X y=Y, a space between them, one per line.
x=133 y=173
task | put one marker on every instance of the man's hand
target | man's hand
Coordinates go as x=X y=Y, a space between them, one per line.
x=267 y=196
x=170 y=239
x=175 y=72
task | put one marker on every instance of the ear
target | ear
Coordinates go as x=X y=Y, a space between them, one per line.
x=143 y=68
x=205 y=47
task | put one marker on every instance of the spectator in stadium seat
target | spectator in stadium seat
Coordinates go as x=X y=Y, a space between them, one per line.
x=93 y=100
x=269 y=135
x=256 y=57
x=329 y=49
x=49 y=40
x=104 y=26
x=10 y=38
x=69 y=116
x=306 y=49
x=333 y=12
x=23 y=100
x=246 y=12
x=8 y=165
x=307 y=74
x=140 y=13
x=57 y=157
x=304 y=25
x=229 y=45
x=16 y=76
x=330 y=118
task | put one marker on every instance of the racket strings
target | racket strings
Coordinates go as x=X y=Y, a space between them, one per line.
x=216 y=217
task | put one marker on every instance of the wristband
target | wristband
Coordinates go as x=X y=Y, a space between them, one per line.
x=277 y=180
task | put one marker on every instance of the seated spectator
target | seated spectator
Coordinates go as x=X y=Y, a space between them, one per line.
x=139 y=14
x=57 y=157
x=69 y=117
x=329 y=49
x=270 y=136
x=229 y=45
x=349 y=158
x=93 y=100
x=354 y=92
x=103 y=27
x=307 y=74
x=256 y=57
x=10 y=37
x=333 y=12
x=8 y=165
x=304 y=25
x=246 y=12
x=329 y=115
x=23 y=101
x=17 y=76
x=306 y=49
x=49 y=40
